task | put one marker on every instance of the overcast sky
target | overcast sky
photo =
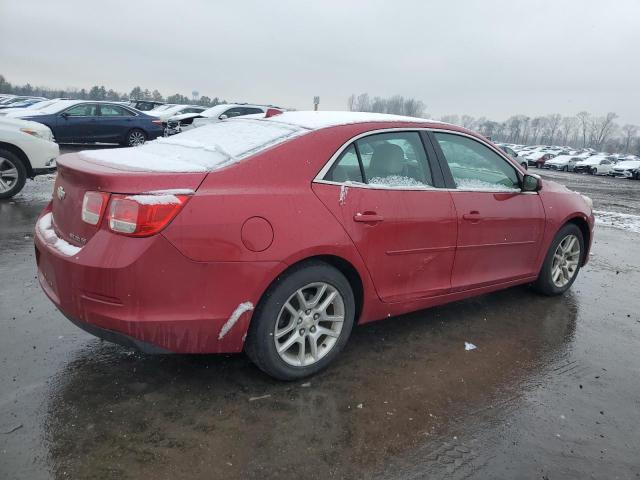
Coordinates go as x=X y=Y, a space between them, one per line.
x=489 y=58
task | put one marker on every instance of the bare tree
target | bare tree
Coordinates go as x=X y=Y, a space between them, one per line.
x=567 y=125
x=413 y=107
x=583 y=119
x=362 y=103
x=552 y=124
x=351 y=102
x=537 y=125
x=467 y=121
x=629 y=135
x=454 y=119
x=379 y=105
x=602 y=128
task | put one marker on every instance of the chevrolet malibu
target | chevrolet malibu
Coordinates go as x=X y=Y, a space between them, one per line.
x=275 y=236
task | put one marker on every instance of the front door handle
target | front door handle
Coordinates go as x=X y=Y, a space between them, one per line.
x=367 y=217
x=473 y=216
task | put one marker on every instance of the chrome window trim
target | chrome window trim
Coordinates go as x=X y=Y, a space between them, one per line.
x=319 y=178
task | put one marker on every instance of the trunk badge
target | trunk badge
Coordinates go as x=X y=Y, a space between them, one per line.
x=61 y=193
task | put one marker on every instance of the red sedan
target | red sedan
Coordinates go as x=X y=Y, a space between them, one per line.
x=274 y=236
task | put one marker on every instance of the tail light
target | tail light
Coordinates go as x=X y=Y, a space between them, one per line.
x=143 y=215
x=157 y=122
x=93 y=206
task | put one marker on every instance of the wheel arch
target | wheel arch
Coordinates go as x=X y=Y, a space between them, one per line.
x=582 y=224
x=17 y=151
x=339 y=263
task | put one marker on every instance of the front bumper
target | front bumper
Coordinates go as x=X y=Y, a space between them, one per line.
x=143 y=292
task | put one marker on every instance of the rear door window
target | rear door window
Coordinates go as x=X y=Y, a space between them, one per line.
x=395 y=159
x=114 y=111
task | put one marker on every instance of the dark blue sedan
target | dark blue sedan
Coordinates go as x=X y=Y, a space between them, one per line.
x=75 y=121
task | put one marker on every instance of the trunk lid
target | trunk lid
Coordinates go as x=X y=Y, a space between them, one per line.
x=77 y=176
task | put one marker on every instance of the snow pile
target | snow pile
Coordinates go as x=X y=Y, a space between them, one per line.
x=315 y=120
x=235 y=316
x=396 y=181
x=476 y=185
x=202 y=149
x=622 y=221
x=45 y=228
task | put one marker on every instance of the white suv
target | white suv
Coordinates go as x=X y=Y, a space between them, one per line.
x=27 y=149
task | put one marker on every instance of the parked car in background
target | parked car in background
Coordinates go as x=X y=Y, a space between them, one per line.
x=593 y=165
x=626 y=169
x=538 y=158
x=512 y=153
x=277 y=235
x=10 y=101
x=565 y=163
x=80 y=121
x=20 y=112
x=27 y=149
x=164 y=112
x=22 y=103
x=144 y=105
x=185 y=121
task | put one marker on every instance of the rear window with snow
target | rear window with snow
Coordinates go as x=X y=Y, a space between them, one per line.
x=203 y=149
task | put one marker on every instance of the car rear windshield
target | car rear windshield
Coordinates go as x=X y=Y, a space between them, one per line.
x=203 y=149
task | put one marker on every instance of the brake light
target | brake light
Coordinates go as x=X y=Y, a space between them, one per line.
x=93 y=206
x=272 y=112
x=143 y=215
x=157 y=122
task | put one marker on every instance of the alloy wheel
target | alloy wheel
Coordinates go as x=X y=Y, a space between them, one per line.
x=565 y=261
x=8 y=175
x=309 y=324
x=136 y=138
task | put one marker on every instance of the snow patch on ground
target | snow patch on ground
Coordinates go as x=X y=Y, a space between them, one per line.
x=476 y=185
x=45 y=228
x=235 y=316
x=621 y=221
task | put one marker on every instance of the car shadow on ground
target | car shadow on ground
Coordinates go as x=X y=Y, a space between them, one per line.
x=400 y=381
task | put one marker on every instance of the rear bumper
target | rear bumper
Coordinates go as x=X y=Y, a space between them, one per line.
x=143 y=292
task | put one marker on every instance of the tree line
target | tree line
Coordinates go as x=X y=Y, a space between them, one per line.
x=581 y=130
x=100 y=92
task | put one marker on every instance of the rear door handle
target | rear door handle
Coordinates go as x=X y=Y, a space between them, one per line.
x=367 y=217
x=473 y=216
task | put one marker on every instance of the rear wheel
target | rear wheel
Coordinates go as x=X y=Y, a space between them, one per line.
x=302 y=323
x=562 y=263
x=13 y=174
x=593 y=171
x=565 y=169
x=136 y=137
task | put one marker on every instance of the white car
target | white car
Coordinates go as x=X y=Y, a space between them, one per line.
x=27 y=149
x=21 y=112
x=625 y=168
x=164 y=112
x=180 y=123
x=596 y=165
x=564 y=163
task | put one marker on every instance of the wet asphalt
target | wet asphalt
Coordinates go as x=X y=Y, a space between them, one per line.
x=552 y=390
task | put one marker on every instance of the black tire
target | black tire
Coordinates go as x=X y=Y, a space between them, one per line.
x=134 y=136
x=565 y=169
x=10 y=161
x=593 y=170
x=260 y=344
x=544 y=284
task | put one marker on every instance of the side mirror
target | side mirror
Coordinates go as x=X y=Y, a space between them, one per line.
x=64 y=115
x=531 y=183
x=223 y=117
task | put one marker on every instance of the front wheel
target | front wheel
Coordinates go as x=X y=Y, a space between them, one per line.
x=302 y=323
x=13 y=174
x=136 y=137
x=563 y=261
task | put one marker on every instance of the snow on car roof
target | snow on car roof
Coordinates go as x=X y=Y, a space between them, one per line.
x=314 y=120
x=221 y=144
